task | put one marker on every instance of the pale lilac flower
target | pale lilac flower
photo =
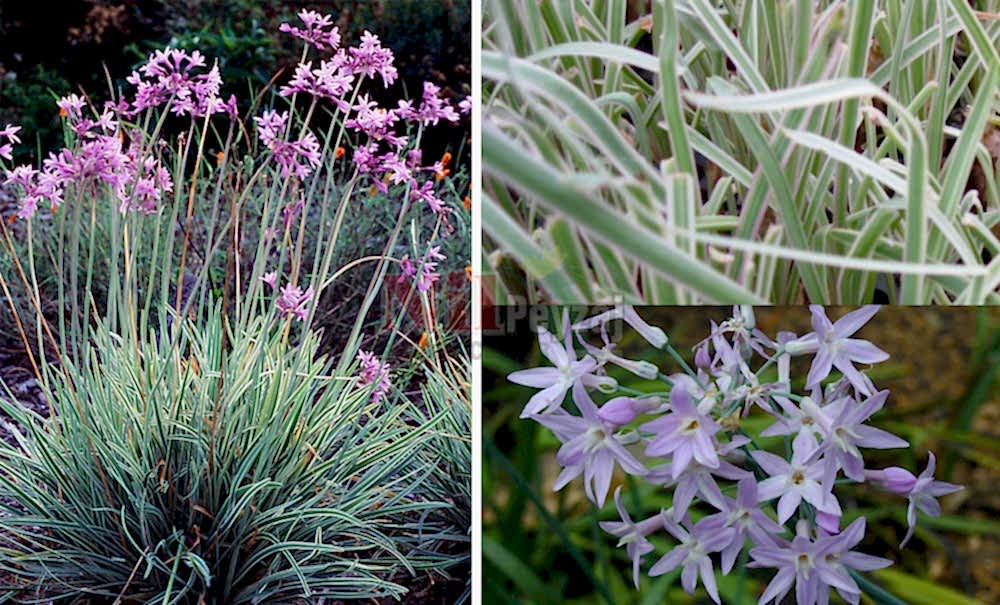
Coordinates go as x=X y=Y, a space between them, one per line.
x=318 y=31
x=796 y=562
x=556 y=381
x=294 y=302
x=170 y=76
x=846 y=432
x=271 y=279
x=433 y=108
x=426 y=194
x=920 y=491
x=699 y=480
x=9 y=132
x=693 y=554
x=836 y=558
x=685 y=434
x=590 y=447
x=299 y=157
x=633 y=536
x=804 y=420
x=374 y=372
x=835 y=349
x=830 y=523
x=795 y=481
x=653 y=335
x=745 y=516
x=35 y=187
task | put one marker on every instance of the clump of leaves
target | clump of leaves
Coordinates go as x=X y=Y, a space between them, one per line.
x=225 y=467
x=742 y=151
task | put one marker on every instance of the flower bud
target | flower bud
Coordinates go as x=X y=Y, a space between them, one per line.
x=895 y=479
x=623 y=410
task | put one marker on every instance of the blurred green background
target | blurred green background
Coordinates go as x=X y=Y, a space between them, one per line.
x=542 y=547
x=51 y=49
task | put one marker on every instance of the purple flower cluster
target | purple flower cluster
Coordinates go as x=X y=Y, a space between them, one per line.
x=319 y=30
x=299 y=157
x=423 y=272
x=9 y=135
x=381 y=152
x=293 y=302
x=100 y=157
x=785 y=513
x=172 y=76
x=374 y=372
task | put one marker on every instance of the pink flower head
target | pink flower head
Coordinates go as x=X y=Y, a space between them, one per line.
x=271 y=279
x=433 y=108
x=426 y=194
x=318 y=31
x=299 y=157
x=465 y=106
x=834 y=347
x=374 y=372
x=34 y=187
x=294 y=302
x=370 y=58
x=332 y=80
x=72 y=106
x=170 y=76
x=9 y=132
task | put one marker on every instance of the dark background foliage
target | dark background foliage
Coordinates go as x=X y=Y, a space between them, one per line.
x=47 y=51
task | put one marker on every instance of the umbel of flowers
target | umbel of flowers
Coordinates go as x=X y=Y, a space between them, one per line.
x=784 y=510
x=112 y=149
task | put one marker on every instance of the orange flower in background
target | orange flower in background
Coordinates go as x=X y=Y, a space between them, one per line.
x=467 y=202
x=468 y=272
x=339 y=153
x=63 y=113
x=424 y=339
x=219 y=157
x=441 y=169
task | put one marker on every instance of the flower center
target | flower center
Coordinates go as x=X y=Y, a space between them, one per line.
x=692 y=425
x=798 y=477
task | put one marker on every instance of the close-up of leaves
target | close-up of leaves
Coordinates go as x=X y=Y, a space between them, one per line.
x=788 y=151
x=771 y=455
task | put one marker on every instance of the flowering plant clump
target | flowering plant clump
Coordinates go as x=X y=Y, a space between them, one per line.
x=731 y=496
x=258 y=456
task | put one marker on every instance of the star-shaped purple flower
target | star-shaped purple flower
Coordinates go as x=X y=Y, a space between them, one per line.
x=590 y=447
x=685 y=434
x=632 y=535
x=555 y=382
x=835 y=348
x=795 y=481
x=920 y=491
x=692 y=553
